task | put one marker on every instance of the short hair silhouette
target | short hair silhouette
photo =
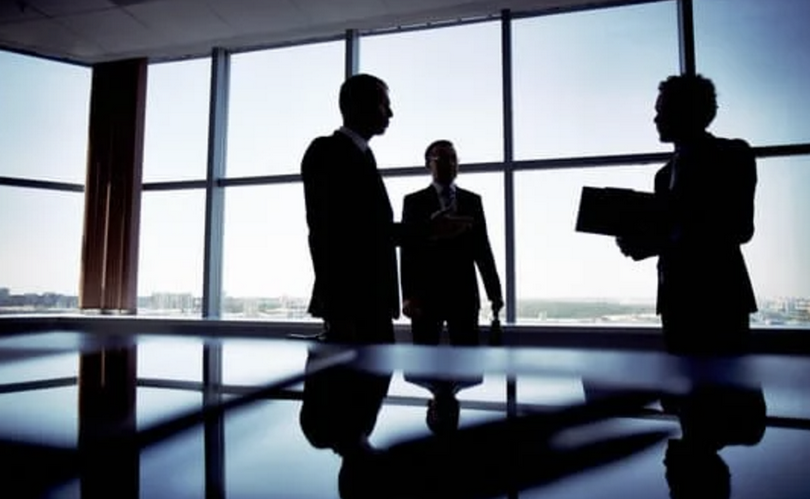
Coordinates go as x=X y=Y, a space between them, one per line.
x=433 y=145
x=358 y=92
x=694 y=93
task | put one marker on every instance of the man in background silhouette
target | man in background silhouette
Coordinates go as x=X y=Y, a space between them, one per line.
x=439 y=282
x=350 y=220
x=706 y=192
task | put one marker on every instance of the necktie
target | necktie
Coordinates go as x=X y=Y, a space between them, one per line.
x=448 y=198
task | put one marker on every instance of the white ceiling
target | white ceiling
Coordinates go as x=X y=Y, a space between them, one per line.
x=90 y=31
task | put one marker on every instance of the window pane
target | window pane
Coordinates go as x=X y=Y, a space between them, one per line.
x=444 y=83
x=245 y=362
x=777 y=254
x=45 y=109
x=280 y=100
x=176 y=358
x=490 y=187
x=586 y=83
x=170 y=269
x=267 y=272
x=40 y=253
x=757 y=55
x=176 y=129
x=568 y=276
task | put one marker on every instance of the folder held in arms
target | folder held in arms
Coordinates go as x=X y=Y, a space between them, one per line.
x=618 y=212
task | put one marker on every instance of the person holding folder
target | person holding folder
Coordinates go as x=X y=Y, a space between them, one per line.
x=706 y=196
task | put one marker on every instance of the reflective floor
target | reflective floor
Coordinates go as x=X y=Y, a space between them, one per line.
x=105 y=415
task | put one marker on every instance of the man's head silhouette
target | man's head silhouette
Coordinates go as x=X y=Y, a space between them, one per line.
x=364 y=105
x=685 y=107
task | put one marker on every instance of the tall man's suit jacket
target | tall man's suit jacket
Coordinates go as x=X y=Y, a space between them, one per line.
x=351 y=232
x=709 y=208
x=440 y=274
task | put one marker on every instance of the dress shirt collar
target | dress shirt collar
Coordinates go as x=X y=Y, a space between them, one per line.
x=440 y=188
x=359 y=141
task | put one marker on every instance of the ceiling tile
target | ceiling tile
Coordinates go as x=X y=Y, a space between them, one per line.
x=55 y=8
x=11 y=11
x=94 y=30
x=182 y=21
x=48 y=38
x=417 y=5
x=259 y=16
x=328 y=11
x=443 y=9
x=115 y=30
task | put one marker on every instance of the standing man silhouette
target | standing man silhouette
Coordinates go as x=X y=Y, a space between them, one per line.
x=706 y=191
x=439 y=282
x=352 y=235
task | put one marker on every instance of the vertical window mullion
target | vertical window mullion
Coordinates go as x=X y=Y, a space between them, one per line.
x=214 y=192
x=508 y=171
x=352 y=52
x=686 y=36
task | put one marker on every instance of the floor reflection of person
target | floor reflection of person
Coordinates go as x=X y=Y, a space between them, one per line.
x=340 y=407
x=711 y=418
x=443 y=408
x=339 y=411
x=491 y=459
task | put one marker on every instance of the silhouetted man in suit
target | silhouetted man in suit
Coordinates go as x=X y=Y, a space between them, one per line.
x=352 y=236
x=706 y=192
x=439 y=282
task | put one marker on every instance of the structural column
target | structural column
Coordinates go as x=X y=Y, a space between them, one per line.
x=109 y=274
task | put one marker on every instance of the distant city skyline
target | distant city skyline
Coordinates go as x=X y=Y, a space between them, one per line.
x=789 y=312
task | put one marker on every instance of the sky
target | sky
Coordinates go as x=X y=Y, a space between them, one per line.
x=583 y=84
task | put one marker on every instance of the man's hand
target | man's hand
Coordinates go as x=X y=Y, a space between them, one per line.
x=445 y=225
x=637 y=248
